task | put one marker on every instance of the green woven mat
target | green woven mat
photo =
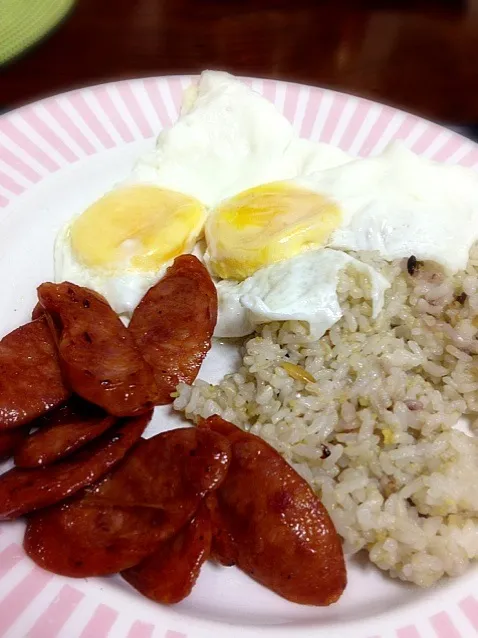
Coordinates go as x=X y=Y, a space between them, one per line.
x=24 y=22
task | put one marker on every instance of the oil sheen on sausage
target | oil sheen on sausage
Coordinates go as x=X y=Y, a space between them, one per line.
x=281 y=534
x=141 y=504
x=174 y=322
x=61 y=432
x=26 y=490
x=98 y=354
x=31 y=381
x=168 y=575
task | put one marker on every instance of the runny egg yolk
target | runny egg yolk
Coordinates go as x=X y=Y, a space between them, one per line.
x=140 y=227
x=266 y=224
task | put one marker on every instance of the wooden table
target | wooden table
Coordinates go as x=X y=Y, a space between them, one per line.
x=419 y=55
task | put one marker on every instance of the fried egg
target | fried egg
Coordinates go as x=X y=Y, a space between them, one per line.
x=396 y=204
x=302 y=288
x=277 y=212
x=122 y=244
x=400 y=204
x=229 y=138
x=226 y=139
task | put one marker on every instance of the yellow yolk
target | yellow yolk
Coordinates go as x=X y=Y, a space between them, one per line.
x=266 y=224
x=139 y=226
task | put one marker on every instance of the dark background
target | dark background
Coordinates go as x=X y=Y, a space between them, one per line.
x=421 y=56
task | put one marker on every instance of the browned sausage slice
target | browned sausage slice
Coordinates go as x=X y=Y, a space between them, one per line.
x=145 y=501
x=22 y=491
x=168 y=575
x=82 y=539
x=10 y=440
x=30 y=377
x=37 y=311
x=98 y=354
x=283 y=535
x=168 y=470
x=174 y=322
x=62 y=432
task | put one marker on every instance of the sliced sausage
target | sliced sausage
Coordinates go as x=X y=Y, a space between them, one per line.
x=22 y=491
x=98 y=354
x=174 y=322
x=168 y=575
x=62 y=432
x=10 y=440
x=37 y=311
x=145 y=501
x=283 y=536
x=168 y=470
x=31 y=382
x=82 y=539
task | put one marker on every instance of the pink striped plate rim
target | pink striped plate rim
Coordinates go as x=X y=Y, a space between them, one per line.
x=47 y=137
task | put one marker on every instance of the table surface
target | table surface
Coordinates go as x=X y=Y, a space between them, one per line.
x=418 y=55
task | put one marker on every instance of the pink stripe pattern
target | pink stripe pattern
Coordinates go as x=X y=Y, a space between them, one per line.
x=56 y=614
x=58 y=114
x=270 y=90
x=469 y=606
x=10 y=184
x=443 y=626
x=134 y=109
x=290 y=104
x=333 y=118
x=448 y=149
x=83 y=109
x=176 y=90
x=310 y=114
x=104 y=100
x=40 y=127
x=18 y=599
x=470 y=158
x=19 y=165
x=376 y=132
x=100 y=623
x=408 y=632
x=425 y=139
x=141 y=630
x=22 y=141
x=156 y=99
x=406 y=127
x=9 y=557
x=4 y=202
x=353 y=127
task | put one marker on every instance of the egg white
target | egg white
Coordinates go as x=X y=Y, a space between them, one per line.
x=229 y=138
x=399 y=205
x=303 y=288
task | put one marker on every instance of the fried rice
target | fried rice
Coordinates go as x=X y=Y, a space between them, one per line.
x=370 y=414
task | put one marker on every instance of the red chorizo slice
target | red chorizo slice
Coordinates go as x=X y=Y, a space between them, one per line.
x=283 y=535
x=62 y=432
x=31 y=382
x=146 y=500
x=223 y=546
x=98 y=354
x=174 y=322
x=37 y=311
x=25 y=490
x=82 y=539
x=168 y=575
x=168 y=471
x=10 y=440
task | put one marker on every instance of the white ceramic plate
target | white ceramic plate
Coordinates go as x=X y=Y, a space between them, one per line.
x=58 y=155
